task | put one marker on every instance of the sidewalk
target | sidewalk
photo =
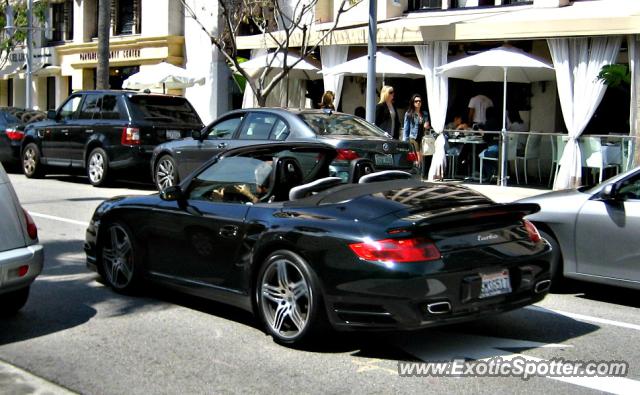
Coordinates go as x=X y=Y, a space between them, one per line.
x=16 y=381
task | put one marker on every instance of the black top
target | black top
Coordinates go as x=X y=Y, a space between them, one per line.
x=383 y=120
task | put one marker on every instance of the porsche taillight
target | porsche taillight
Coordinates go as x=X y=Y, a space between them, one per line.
x=397 y=250
x=534 y=235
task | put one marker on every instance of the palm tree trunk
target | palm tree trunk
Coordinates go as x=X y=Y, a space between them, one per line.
x=104 y=23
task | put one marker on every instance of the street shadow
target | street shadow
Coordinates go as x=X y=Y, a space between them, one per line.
x=129 y=182
x=601 y=293
x=64 y=296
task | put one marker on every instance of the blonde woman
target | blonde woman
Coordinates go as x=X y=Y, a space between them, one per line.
x=387 y=117
x=327 y=101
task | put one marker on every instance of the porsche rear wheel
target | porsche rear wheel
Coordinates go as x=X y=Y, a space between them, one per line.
x=288 y=299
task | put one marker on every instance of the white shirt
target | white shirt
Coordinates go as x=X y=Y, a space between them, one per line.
x=480 y=103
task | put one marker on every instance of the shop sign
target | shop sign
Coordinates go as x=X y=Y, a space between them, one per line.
x=113 y=55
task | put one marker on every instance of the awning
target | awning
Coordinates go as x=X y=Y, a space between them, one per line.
x=589 y=18
x=10 y=70
x=40 y=70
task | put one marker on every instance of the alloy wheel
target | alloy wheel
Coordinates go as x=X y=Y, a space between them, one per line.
x=165 y=174
x=29 y=160
x=96 y=167
x=286 y=298
x=117 y=257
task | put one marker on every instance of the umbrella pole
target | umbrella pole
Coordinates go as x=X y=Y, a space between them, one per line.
x=502 y=179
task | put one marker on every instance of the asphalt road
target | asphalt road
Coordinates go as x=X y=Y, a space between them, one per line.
x=77 y=335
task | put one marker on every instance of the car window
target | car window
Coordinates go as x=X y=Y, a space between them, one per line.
x=232 y=180
x=258 y=126
x=69 y=108
x=629 y=189
x=8 y=118
x=110 y=108
x=90 y=107
x=224 y=129
x=165 y=109
x=341 y=125
x=280 y=131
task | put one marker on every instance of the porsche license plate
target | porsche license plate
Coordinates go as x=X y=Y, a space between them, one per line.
x=385 y=160
x=494 y=284
x=173 y=134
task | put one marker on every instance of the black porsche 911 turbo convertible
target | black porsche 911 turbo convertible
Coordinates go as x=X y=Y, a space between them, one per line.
x=266 y=229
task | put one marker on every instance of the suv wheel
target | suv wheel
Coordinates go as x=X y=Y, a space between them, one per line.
x=98 y=167
x=166 y=173
x=31 y=164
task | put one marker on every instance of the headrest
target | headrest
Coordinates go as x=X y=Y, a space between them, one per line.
x=302 y=191
x=385 y=175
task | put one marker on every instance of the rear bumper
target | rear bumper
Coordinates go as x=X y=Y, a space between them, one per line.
x=127 y=157
x=10 y=261
x=415 y=299
x=9 y=151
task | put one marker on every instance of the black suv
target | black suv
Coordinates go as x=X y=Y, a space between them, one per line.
x=103 y=131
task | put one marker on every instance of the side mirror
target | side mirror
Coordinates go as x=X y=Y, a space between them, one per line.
x=196 y=134
x=172 y=193
x=609 y=192
x=51 y=114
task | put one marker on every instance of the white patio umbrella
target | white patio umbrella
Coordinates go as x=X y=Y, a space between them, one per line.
x=388 y=63
x=305 y=70
x=162 y=75
x=506 y=64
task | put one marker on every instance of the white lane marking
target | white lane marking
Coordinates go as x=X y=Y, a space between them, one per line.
x=585 y=318
x=53 y=217
x=441 y=346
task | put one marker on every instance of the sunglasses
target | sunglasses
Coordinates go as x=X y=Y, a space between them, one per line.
x=391 y=92
x=417 y=101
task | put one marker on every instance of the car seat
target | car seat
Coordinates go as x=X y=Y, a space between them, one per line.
x=287 y=173
x=360 y=167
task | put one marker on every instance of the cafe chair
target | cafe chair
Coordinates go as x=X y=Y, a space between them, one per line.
x=595 y=156
x=557 y=149
x=531 y=152
x=512 y=148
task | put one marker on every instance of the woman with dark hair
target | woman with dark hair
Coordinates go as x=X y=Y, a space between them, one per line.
x=416 y=124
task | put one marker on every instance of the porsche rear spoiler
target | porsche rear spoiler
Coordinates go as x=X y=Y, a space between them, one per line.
x=470 y=213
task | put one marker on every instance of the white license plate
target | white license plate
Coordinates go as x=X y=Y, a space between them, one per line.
x=173 y=134
x=384 y=159
x=494 y=284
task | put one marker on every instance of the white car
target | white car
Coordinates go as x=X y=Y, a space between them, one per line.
x=21 y=256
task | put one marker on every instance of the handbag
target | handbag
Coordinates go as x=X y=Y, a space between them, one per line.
x=428 y=144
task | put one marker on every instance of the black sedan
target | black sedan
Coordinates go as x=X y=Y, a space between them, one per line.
x=265 y=228
x=12 y=123
x=352 y=136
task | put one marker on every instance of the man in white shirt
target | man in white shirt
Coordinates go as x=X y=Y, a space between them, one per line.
x=478 y=109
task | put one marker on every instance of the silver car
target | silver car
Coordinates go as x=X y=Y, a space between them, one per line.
x=595 y=232
x=21 y=256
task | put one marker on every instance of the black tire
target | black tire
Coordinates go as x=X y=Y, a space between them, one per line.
x=556 y=258
x=13 y=301
x=166 y=173
x=31 y=164
x=120 y=261
x=98 y=168
x=305 y=310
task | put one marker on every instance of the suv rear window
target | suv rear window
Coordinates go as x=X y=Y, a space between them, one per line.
x=340 y=125
x=165 y=109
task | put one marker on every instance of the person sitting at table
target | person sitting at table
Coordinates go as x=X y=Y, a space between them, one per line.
x=458 y=124
x=492 y=124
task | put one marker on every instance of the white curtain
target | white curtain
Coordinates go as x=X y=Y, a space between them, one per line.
x=333 y=55
x=431 y=56
x=634 y=67
x=577 y=62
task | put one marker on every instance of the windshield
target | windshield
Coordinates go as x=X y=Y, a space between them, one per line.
x=340 y=125
x=166 y=109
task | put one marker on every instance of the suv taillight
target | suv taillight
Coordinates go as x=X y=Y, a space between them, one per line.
x=14 y=134
x=534 y=235
x=397 y=250
x=130 y=136
x=32 y=230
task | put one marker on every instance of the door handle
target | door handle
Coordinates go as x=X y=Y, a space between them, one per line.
x=89 y=131
x=228 y=231
x=222 y=145
x=65 y=131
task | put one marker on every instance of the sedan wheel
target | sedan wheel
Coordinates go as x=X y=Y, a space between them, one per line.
x=118 y=258
x=166 y=173
x=288 y=301
x=98 y=167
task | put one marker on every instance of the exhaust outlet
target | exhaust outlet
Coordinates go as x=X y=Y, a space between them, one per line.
x=439 y=308
x=542 y=286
